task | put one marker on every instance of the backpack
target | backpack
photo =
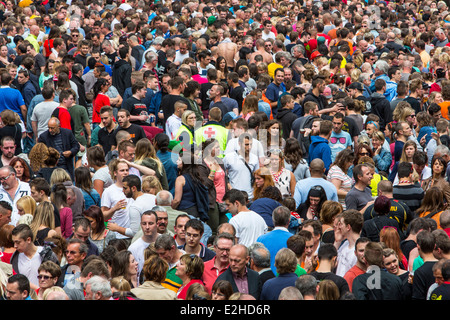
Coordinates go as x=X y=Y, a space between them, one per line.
x=305 y=141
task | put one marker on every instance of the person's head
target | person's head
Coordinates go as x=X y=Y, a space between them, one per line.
x=21 y=168
x=328 y=290
x=23 y=237
x=194 y=231
x=222 y=245
x=127 y=150
x=166 y=247
x=221 y=290
x=48 y=274
x=317 y=167
x=234 y=199
x=8 y=147
x=239 y=258
x=308 y=286
x=330 y=209
x=438 y=166
x=373 y=254
x=5 y=213
x=81 y=229
x=281 y=216
x=179 y=227
x=285 y=261
x=362 y=174
x=17 y=287
x=98 y=288
x=8 y=177
x=190 y=266
x=124 y=264
x=426 y=242
x=315 y=198
x=118 y=169
x=350 y=221
x=131 y=185
x=382 y=205
x=155 y=269
x=149 y=223
x=95 y=216
x=76 y=252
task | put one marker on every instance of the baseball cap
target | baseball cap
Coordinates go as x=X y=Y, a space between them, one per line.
x=315 y=54
x=229 y=116
x=327 y=93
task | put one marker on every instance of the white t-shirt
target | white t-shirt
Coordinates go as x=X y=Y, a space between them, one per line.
x=22 y=190
x=249 y=226
x=42 y=112
x=29 y=267
x=137 y=250
x=346 y=259
x=142 y=204
x=110 y=197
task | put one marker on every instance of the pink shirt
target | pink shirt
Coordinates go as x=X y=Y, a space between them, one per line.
x=66 y=221
x=211 y=273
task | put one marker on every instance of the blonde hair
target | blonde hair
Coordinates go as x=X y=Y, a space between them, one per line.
x=120 y=283
x=28 y=204
x=59 y=175
x=151 y=182
x=50 y=290
x=44 y=217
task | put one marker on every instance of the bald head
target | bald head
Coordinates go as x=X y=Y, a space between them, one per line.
x=164 y=198
x=317 y=167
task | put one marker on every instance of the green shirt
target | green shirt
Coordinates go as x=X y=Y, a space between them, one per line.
x=79 y=117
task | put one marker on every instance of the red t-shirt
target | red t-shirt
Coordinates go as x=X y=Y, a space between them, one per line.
x=64 y=117
x=100 y=101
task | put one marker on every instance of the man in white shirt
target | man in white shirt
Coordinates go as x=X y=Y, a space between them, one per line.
x=240 y=166
x=249 y=225
x=114 y=202
x=142 y=202
x=149 y=235
x=348 y=228
x=173 y=123
x=11 y=190
x=240 y=126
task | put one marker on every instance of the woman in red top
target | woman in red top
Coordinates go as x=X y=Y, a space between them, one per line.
x=54 y=33
x=6 y=243
x=190 y=270
x=100 y=99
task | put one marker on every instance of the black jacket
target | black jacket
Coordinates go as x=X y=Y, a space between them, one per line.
x=254 y=282
x=382 y=108
x=320 y=100
x=121 y=76
x=69 y=143
x=389 y=287
x=81 y=91
x=286 y=117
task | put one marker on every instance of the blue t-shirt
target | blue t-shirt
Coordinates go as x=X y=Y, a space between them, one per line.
x=91 y=199
x=11 y=99
x=338 y=142
x=273 y=92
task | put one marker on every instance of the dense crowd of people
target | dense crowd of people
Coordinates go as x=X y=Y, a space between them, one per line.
x=224 y=150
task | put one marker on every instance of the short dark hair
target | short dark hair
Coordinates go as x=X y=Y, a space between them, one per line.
x=133 y=181
x=195 y=224
x=22 y=282
x=40 y=184
x=234 y=195
x=327 y=251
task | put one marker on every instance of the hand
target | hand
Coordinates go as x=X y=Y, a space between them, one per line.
x=112 y=226
x=422 y=141
x=121 y=204
x=377 y=152
x=67 y=154
x=435 y=136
